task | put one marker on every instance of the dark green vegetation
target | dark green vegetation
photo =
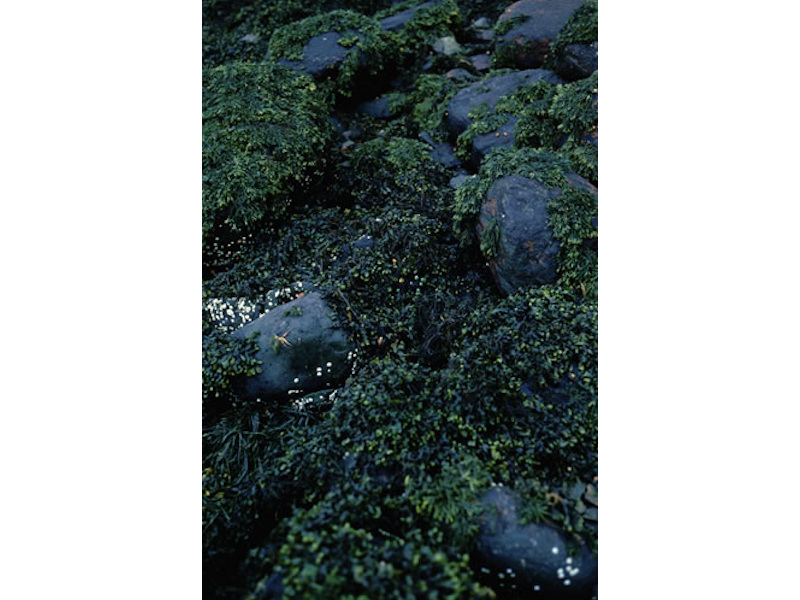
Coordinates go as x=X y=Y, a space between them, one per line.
x=560 y=117
x=265 y=136
x=372 y=490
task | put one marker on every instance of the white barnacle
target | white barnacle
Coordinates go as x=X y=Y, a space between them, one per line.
x=297 y=380
x=560 y=573
x=555 y=550
x=329 y=364
x=537 y=588
x=569 y=560
x=567 y=582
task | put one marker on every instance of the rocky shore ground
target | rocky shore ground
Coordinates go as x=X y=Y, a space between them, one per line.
x=400 y=229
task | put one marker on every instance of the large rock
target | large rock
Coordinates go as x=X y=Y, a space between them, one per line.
x=488 y=92
x=397 y=21
x=576 y=61
x=322 y=55
x=528 y=43
x=515 y=212
x=300 y=347
x=532 y=560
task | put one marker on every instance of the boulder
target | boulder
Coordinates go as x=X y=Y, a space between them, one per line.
x=485 y=143
x=515 y=233
x=300 y=347
x=489 y=91
x=398 y=21
x=322 y=55
x=527 y=43
x=531 y=560
x=576 y=61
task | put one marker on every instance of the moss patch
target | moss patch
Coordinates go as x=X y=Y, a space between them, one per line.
x=265 y=138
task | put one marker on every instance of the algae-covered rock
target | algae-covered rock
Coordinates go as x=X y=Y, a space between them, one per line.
x=526 y=30
x=300 y=348
x=488 y=92
x=341 y=49
x=574 y=53
x=265 y=134
x=531 y=212
x=417 y=25
x=517 y=238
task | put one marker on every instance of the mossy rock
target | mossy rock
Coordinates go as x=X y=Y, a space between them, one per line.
x=559 y=117
x=417 y=25
x=526 y=30
x=571 y=208
x=266 y=134
x=342 y=49
x=573 y=55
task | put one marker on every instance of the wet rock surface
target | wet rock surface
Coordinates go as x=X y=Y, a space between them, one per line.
x=322 y=55
x=530 y=560
x=529 y=41
x=399 y=20
x=576 y=61
x=526 y=249
x=300 y=349
x=488 y=92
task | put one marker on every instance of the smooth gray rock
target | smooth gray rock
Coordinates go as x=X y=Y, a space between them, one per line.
x=399 y=20
x=322 y=55
x=489 y=91
x=516 y=208
x=447 y=46
x=300 y=347
x=527 y=249
x=499 y=138
x=529 y=41
x=532 y=560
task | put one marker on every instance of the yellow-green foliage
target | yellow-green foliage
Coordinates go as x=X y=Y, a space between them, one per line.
x=265 y=134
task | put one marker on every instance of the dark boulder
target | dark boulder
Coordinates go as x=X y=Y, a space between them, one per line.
x=576 y=61
x=397 y=21
x=499 y=138
x=488 y=92
x=322 y=55
x=515 y=234
x=377 y=108
x=531 y=560
x=527 y=43
x=300 y=347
